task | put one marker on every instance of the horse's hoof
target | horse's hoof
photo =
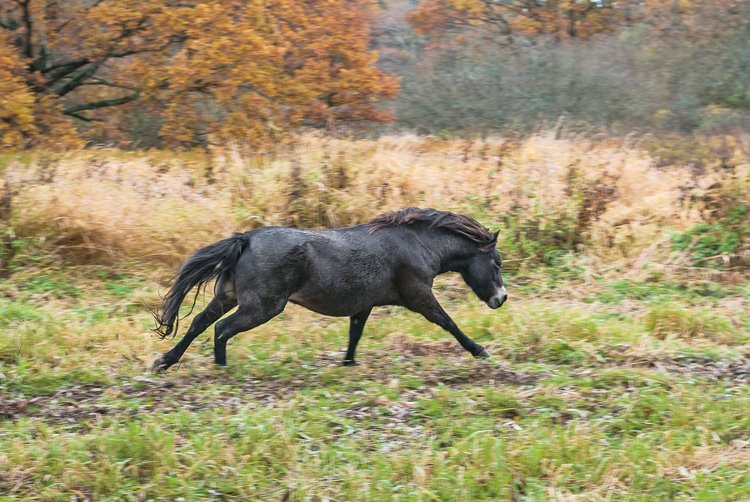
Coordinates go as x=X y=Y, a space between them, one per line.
x=160 y=365
x=482 y=355
x=349 y=362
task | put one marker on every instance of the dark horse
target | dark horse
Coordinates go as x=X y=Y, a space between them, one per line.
x=390 y=260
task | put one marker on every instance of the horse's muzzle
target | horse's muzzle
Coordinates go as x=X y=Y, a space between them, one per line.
x=497 y=301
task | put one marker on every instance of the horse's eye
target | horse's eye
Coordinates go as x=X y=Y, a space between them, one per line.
x=496 y=265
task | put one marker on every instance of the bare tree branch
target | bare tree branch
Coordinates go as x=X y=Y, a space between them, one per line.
x=9 y=24
x=63 y=71
x=102 y=82
x=73 y=110
x=75 y=64
x=77 y=80
x=28 y=50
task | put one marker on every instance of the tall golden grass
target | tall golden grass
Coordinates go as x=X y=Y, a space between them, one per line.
x=609 y=198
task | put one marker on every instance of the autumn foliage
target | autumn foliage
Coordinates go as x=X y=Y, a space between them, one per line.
x=188 y=71
x=559 y=18
x=573 y=19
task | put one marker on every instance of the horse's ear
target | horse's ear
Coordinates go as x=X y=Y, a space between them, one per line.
x=496 y=234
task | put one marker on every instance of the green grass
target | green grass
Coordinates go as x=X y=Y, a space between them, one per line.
x=636 y=393
x=705 y=242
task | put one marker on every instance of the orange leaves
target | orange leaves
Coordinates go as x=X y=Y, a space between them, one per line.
x=560 y=18
x=25 y=117
x=432 y=16
x=201 y=68
x=277 y=64
x=337 y=66
x=16 y=100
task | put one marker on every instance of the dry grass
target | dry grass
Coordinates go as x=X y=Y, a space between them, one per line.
x=543 y=193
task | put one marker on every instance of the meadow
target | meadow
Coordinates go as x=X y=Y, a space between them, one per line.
x=620 y=362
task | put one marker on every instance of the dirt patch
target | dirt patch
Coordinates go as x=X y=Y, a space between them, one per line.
x=199 y=391
x=480 y=374
x=736 y=371
x=90 y=402
x=460 y=368
x=130 y=397
x=14 y=408
x=417 y=348
x=705 y=459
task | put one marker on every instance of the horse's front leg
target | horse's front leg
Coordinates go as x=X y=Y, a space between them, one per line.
x=425 y=303
x=356 y=325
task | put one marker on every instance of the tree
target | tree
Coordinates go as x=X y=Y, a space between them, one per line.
x=679 y=65
x=16 y=101
x=562 y=19
x=199 y=68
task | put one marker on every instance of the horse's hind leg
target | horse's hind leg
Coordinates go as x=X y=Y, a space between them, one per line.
x=247 y=317
x=356 y=325
x=219 y=306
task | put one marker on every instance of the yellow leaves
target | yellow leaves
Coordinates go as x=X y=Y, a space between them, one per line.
x=527 y=25
x=472 y=8
x=56 y=131
x=562 y=18
x=16 y=101
x=25 y=118
x=431 y=16
x=199 y=68
x=272 y=65
x=16 y=117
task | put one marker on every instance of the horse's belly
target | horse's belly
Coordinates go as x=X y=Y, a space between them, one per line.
x=337 y=303
x=321 y=307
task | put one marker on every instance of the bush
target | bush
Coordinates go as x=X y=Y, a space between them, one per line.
x=720 y=240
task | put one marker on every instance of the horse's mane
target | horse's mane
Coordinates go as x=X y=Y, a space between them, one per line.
x=456 y=223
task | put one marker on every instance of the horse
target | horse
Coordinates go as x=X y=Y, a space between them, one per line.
x=389 y=260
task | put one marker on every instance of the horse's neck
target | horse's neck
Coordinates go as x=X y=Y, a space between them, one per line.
x=442 y=248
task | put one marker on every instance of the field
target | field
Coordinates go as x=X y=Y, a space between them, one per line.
x=620 y=363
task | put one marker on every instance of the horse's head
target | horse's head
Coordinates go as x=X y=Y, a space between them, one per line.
x=482 y=272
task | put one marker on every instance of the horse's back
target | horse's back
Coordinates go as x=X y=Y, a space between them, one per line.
x=335 y=272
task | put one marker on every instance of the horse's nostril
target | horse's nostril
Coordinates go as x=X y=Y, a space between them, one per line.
x=497 y=301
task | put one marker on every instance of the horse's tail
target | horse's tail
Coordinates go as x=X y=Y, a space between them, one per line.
x=206 y=264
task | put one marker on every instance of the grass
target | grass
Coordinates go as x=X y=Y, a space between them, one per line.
x=619 y=367
x=576 y=402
